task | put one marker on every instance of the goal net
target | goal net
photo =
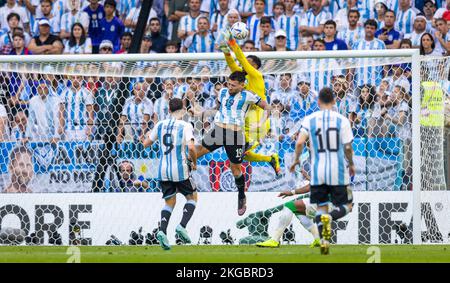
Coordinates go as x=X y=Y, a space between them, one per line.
x=73 y=170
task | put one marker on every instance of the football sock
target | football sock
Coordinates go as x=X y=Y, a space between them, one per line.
x=339 y=212
x=240 y=184
x=166 y=212
x=309 y=225
x=283 y=222
x=319 y=223
x=188 y=210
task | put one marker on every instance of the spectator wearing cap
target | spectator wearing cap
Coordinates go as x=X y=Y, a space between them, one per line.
x=364 y=74
x=341 y=17
x=388 y=34
x=353 y=32
x=12 y=6
x=6 y=39
x=106 y=47
x=442 y=36
x=420 y=24
x=202 y=41
x=253 y=22
x=405 y=17
x=331 y=41
x=266 y=40
x=429 y=9
x=158 y=40
x=314 y=19
x=290 y=22
x=45 y=43
x=125 y=42
x=111 y=26
x=19 y=47
x=75 y=15
x=95 y=12
x=44 y=117
x=46 y=10
x=281 y=41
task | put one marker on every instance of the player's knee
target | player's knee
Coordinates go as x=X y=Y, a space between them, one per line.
x=236 y=170
x=171 y=201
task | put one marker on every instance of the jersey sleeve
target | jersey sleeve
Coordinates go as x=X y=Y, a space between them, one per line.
x=231 y=63
x=188 y=132
x=346 y=132
x=252 y=98
x=154 y=133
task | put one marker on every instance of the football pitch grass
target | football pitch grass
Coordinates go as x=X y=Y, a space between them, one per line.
x=227 y=254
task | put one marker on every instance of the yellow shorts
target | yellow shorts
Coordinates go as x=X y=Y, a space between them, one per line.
x=253 y=130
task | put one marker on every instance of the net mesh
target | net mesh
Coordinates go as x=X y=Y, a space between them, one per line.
x=76 y=128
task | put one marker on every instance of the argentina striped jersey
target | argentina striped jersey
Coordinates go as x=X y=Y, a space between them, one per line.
x=234 y=107
x=328 y=132
x=75 y=102
x=405 y=21
x=370 y=74
x=173 y=136
x=291 y=25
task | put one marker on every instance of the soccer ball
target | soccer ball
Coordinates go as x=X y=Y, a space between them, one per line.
x=239 y=30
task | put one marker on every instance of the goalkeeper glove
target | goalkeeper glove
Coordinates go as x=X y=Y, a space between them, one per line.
x=224 y=48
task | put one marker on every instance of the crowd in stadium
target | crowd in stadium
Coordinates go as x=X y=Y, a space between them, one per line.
x=378 y=104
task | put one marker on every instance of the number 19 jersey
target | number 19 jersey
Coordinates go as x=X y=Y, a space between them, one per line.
x=328 y=132
x=173 y=136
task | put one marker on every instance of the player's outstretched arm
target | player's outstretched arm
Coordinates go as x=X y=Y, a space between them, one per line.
x=302 y=138
x=348 y=150
x=192 y=154
x=223 y=46
x=248 y=68
x=299 y=191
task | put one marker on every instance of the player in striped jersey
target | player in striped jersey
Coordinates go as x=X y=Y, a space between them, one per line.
x=79 y=110
x=405 y=17
x=254 y=20
x=137 y=110
x=175 y=136
x=290 y=22
x=202 y=41
x=233 y=103
x=420 y=25
x=330 y=137
x=254 y=129
x=368 y=75
x=353 y=32
x=314 y=19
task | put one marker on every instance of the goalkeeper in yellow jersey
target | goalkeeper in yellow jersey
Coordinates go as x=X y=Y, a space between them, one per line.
x=256 y=125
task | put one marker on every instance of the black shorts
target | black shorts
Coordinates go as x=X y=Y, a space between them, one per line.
x=338 y=195
x=232 y=141
x=169 y=188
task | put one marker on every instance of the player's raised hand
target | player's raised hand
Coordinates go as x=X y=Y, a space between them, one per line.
x=285 y=194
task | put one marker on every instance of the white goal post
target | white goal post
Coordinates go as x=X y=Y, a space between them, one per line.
x=275 y=64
